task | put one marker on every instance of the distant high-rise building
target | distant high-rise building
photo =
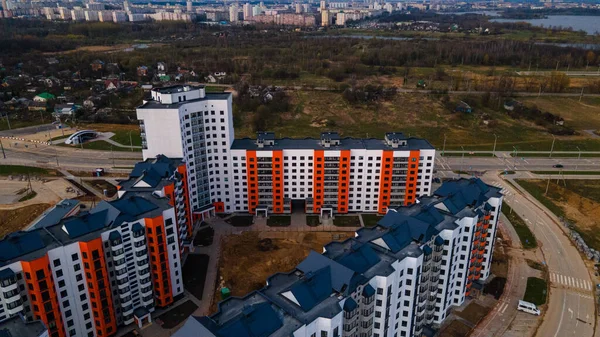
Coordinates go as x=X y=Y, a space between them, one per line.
x=325 y=17
x=5 y=9
x=233 y=13
x=248 y=14
x=189 y=6
x=298 y=8
x=323 y=4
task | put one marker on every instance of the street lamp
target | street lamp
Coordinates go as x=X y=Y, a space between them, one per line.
x=130 y=141
x=494 y=150
x=444 y=147
x=516 y=155
x=578 y=158
x=552 y=148
x=462 y=160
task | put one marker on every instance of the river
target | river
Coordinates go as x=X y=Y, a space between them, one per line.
x=589 y=24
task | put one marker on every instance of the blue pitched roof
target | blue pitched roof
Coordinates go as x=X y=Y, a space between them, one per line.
x=19 y=243
x=258 y=320
x=6 y=274
x=313 y=289
x=368 y=291
x=461 y=193
x=350 y=304
x=133 y=205
x=340 y=275
x=360 y=259
x=84 y=224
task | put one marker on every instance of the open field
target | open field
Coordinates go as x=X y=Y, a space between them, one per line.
x=576 y=200
x=418 y=115
x=17 y=219
x=248 y=259
x=6 y=170
x=582 y=115
x=99 y=145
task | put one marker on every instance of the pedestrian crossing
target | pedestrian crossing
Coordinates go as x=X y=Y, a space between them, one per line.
x=570 y=282
x=504 y=190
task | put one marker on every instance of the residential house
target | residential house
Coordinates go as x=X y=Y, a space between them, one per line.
x=97 y=65
x=65 y=109
x=37 y=106
x=510 y=105
x=162 y=69
x=44 y=97
x=463 y=107
x=210 y=79
x=142 y=71
x=112 y=84
x=52 y=60
x=113 y=68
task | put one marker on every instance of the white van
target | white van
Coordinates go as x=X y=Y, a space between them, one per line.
x=529 y=308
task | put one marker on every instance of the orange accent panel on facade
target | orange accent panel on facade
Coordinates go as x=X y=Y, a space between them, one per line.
x=277 y=174
x=219 y=206
x=318 y=180
x=159 y=261
x=385 y=181
x=186 y=196
x=252 y=181
x=343 y=181
x=96 y=275
x=43 y=296
x=412 y=177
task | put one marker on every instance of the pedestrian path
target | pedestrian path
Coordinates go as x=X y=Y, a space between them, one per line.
x=571 y=282
x=504 y=190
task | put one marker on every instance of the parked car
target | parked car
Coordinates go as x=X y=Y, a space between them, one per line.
x=529 y=308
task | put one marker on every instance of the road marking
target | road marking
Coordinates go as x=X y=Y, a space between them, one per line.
x=506 y=306
x=569 y=281
x=561 y=316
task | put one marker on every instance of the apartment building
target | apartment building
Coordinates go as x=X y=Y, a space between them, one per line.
x=267 y=175
x=400 y=278
x=86 y=275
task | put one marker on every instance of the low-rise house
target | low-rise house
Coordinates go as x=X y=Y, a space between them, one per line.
x=37 y=106
x=52 y=60
x=142 y=71
x=112 y=84
x=65 y=109
x=162 y=68
x=44 y=97
x=463 y=107
x=510 y=105
x=97 y=65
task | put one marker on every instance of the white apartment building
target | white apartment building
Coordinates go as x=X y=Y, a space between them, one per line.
x=400 y=278
x=248 y=14
x=266 y=175
x=91 y=15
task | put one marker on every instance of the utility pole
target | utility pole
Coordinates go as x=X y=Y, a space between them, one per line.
x=462 y=160
x=56 y=155
x=578 y=158
x=2 y=146
x=516 y=155
x=7 y=120
x=581 y=96
x=130 y=142
x=552 y=147
x=111 y=154
x=444 y=147
x=494 y=150
x=547 y=185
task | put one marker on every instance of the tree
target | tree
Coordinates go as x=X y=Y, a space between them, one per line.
x=559 y=81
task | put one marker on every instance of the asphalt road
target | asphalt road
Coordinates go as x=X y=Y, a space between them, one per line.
x=509 y=163
x=571 y=309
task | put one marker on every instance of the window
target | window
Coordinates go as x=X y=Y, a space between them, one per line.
x=323 y=333
x=56 y=263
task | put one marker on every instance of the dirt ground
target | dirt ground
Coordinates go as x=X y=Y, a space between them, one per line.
x=50 y=191
x=19 y=218
x=580 y=201
x=246 y=261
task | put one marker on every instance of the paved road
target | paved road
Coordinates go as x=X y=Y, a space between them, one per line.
x=24 y=153
x=518 y=163
x=571 y=309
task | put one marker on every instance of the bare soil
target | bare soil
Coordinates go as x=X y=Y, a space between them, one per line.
x=248 y=259
x=17 y=219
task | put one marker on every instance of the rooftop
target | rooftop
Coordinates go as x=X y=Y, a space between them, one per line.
x=152 y=104
x=16 y=327
x=344 y=144
x=314 y=287
x=53 y=215
x=173 y=89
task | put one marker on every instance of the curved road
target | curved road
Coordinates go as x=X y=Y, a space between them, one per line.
x=571 y=308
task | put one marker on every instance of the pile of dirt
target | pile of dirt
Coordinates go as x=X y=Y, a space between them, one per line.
x=17 y=219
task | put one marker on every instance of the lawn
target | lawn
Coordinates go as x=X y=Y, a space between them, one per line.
x=473 y=313
x=527 y=238
x=312 y=220
x=584 y=115
x=6 y=170
x=578 y=201
x=536 y=291
x=28 y=196
x=194 y=274
x=176 y=315
x=346 y=221
x=370 y=220
x=592 y=173
x=279 y=221
x=122 y=137
x=241 y=220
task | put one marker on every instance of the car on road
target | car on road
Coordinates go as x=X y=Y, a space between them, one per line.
x=557 y=166
x=437 y=180
x=529 y=308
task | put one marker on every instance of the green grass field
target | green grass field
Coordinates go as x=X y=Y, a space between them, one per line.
x=102 y=146
x=6 y=170
x=526 y=237
x=122 y=137
x=370 y=220
x=536 y=291
x=537 y=189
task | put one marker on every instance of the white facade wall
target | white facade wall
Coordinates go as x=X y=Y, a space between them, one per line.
x=491 y=239
x=163 y=126
x=10 y=306
x=91 y=16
